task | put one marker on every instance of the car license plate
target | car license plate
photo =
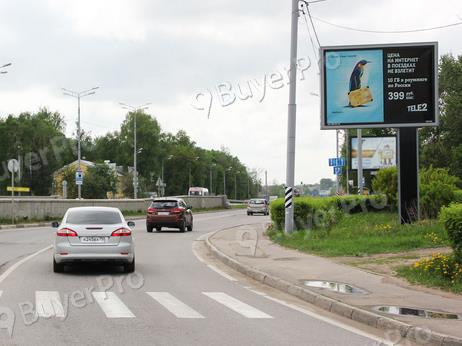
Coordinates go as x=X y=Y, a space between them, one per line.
x=92 y=239
x=164 y=213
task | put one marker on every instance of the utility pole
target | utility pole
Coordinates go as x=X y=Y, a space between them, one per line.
x=291 y=122
x=78 y=95
x=266 y=185
x=135 y=110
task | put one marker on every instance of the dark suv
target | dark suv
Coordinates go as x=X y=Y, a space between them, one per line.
x=169 y=212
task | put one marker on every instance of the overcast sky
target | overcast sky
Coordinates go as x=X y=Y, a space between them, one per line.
x=173 y=53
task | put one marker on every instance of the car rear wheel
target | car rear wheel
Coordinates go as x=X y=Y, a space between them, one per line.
x=158 y=229
x=58 y=267
x=182 y=226
x=190 y=227
x=149 y=228
x=129 y=267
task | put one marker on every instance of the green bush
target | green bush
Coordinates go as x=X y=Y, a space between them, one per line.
x=312 y=212
x=436 y=190
x=386 y=182
x=458 y=196
x=451 y=217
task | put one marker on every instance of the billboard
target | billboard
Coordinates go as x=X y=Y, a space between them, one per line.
x=379 y=86
x=378 y=152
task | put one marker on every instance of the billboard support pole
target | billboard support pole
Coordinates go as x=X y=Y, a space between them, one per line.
x=337 y=132
x=360 y=161
x=347 y=166
x=291 y=122
x=408 y=174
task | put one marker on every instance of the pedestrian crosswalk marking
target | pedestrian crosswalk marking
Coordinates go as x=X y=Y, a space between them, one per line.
x=236 y=305
x=112 y=306
x=48 y=304
x=174 y=305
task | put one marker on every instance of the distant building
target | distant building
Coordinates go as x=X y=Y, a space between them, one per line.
x=58 y=176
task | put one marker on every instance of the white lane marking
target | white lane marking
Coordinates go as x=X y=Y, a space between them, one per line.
x=322 y=318
x=48 y=304
x=222 y=273
x=236 y=305
x=197 y=255
x=19 y=263
x=174 y=305
x=215 y=269
x=112 y=306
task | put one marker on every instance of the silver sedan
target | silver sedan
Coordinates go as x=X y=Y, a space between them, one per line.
x=94 y=234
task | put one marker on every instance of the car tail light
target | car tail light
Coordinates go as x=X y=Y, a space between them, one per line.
x=121 y=232
x=176 y=210
x=66 y=232
x=151 y=210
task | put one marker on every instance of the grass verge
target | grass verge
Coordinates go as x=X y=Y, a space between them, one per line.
x=364 y=234
x=439 y=270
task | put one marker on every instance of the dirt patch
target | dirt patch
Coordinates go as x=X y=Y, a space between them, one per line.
x=385 y=265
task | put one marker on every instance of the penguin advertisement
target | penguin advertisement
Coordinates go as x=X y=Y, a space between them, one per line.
x=354 y=87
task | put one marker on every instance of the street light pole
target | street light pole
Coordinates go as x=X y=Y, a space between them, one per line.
x=135 y=151
x=291 y=122
x=224 y=182
x=78 y=95
x=211 y=176
x=135 y=171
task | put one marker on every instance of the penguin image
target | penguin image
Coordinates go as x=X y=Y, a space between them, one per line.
x=358 y=95
x=356 y=75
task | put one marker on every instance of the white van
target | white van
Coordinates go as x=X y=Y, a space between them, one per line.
x=198 y=191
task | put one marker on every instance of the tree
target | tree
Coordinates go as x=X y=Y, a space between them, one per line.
x=39 y=141
x=442 y=146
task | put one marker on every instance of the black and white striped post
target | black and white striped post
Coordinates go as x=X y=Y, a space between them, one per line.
x=288 y=197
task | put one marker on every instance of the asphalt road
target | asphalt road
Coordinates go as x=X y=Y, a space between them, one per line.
x=173 y=298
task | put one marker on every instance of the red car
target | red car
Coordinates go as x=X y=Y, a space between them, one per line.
x=169 y=212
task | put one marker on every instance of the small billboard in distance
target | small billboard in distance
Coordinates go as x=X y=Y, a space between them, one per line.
x=378 y=152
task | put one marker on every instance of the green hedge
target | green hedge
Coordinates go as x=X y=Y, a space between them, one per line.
x=458 y=196
x=311 y=212
x=451 y=217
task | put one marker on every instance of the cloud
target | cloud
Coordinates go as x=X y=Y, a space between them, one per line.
x=163 y=52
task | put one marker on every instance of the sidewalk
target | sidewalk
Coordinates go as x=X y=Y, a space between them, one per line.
x=285 y=269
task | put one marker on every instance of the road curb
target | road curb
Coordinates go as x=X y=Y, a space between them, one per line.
x=416 y=334
x=25 y=225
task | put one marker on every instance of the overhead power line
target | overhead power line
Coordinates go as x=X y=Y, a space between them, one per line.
x=385 y=31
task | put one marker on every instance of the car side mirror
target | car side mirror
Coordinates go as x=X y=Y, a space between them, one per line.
x=55 y=224
x=190 y=207
x=131 y=224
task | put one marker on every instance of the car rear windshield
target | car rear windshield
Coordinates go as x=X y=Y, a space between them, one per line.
x=164 y=204
x=257 y=201
x=93 y=217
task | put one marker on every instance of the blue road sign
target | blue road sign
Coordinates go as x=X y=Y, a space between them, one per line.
x=78 y=178
x=335 y=162
x=338 y=170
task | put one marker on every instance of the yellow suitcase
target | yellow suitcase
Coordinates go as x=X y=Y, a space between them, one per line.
x=360 y=97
